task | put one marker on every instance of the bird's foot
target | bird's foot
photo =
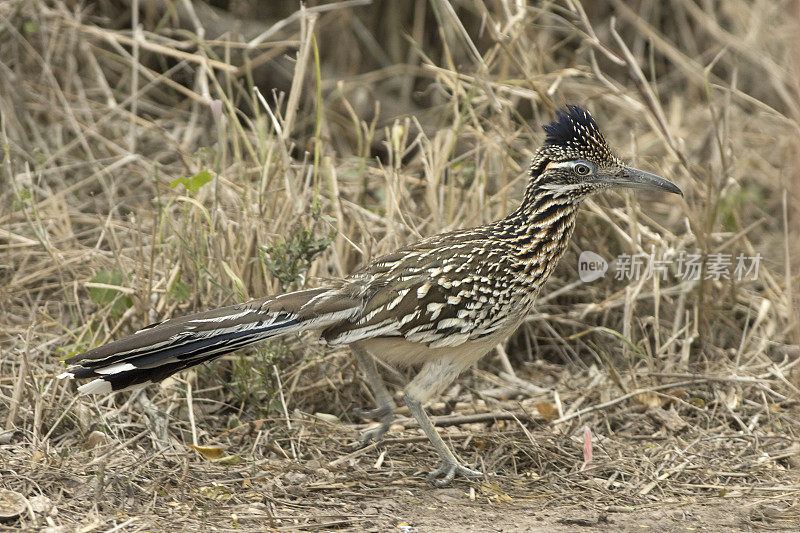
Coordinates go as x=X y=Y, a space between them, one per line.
x=371 y=435
x=384 y=415
x=374 y=414
x=442 y=476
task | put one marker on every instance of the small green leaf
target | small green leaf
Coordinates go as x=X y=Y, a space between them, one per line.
x=230 y=460
x=103 y=296
x=30 y=27
x=194 y=183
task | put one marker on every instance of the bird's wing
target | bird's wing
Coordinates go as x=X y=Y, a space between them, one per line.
x=439 y=292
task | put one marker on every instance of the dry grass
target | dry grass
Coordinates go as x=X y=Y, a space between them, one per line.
x=372 y=126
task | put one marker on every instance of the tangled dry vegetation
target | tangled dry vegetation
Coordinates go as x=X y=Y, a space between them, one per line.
x=209 y=155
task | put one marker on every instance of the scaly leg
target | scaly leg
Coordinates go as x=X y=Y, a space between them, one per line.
x=384 y=412
x=432 y=379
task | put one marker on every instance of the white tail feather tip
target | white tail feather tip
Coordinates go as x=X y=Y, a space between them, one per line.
x=97 y=386
x=115 y=369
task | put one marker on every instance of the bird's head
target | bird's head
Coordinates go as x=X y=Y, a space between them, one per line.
x=575 y=160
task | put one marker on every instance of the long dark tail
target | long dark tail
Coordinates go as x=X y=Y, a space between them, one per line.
x=157 y=351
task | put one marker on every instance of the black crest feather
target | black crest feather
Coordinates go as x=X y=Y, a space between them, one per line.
x=573 y=134
x=564 y=128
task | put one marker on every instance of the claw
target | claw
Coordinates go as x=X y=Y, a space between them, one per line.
x=371 y=435
x=384 y=415
x=449 y=470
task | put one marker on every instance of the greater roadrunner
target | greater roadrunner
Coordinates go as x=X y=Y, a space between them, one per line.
x=442 y=302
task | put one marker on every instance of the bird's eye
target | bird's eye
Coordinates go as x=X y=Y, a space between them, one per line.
x=582 y=169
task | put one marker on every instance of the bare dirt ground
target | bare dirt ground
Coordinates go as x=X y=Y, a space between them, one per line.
x=160 y=158
x=663 y=469
x=176 y=491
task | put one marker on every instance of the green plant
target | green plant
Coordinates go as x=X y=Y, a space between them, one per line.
x=289 y=258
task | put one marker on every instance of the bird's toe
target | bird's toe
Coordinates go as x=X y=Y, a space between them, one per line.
x=443 y=475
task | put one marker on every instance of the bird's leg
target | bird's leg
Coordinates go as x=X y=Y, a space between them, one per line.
x=384 y=412
x=432 y=378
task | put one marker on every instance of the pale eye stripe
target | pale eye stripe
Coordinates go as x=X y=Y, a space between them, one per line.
x=559 y=164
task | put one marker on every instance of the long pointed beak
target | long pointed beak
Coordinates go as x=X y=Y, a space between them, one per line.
x=633 y=178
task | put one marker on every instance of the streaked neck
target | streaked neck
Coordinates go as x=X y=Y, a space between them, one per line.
x=541 y=228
